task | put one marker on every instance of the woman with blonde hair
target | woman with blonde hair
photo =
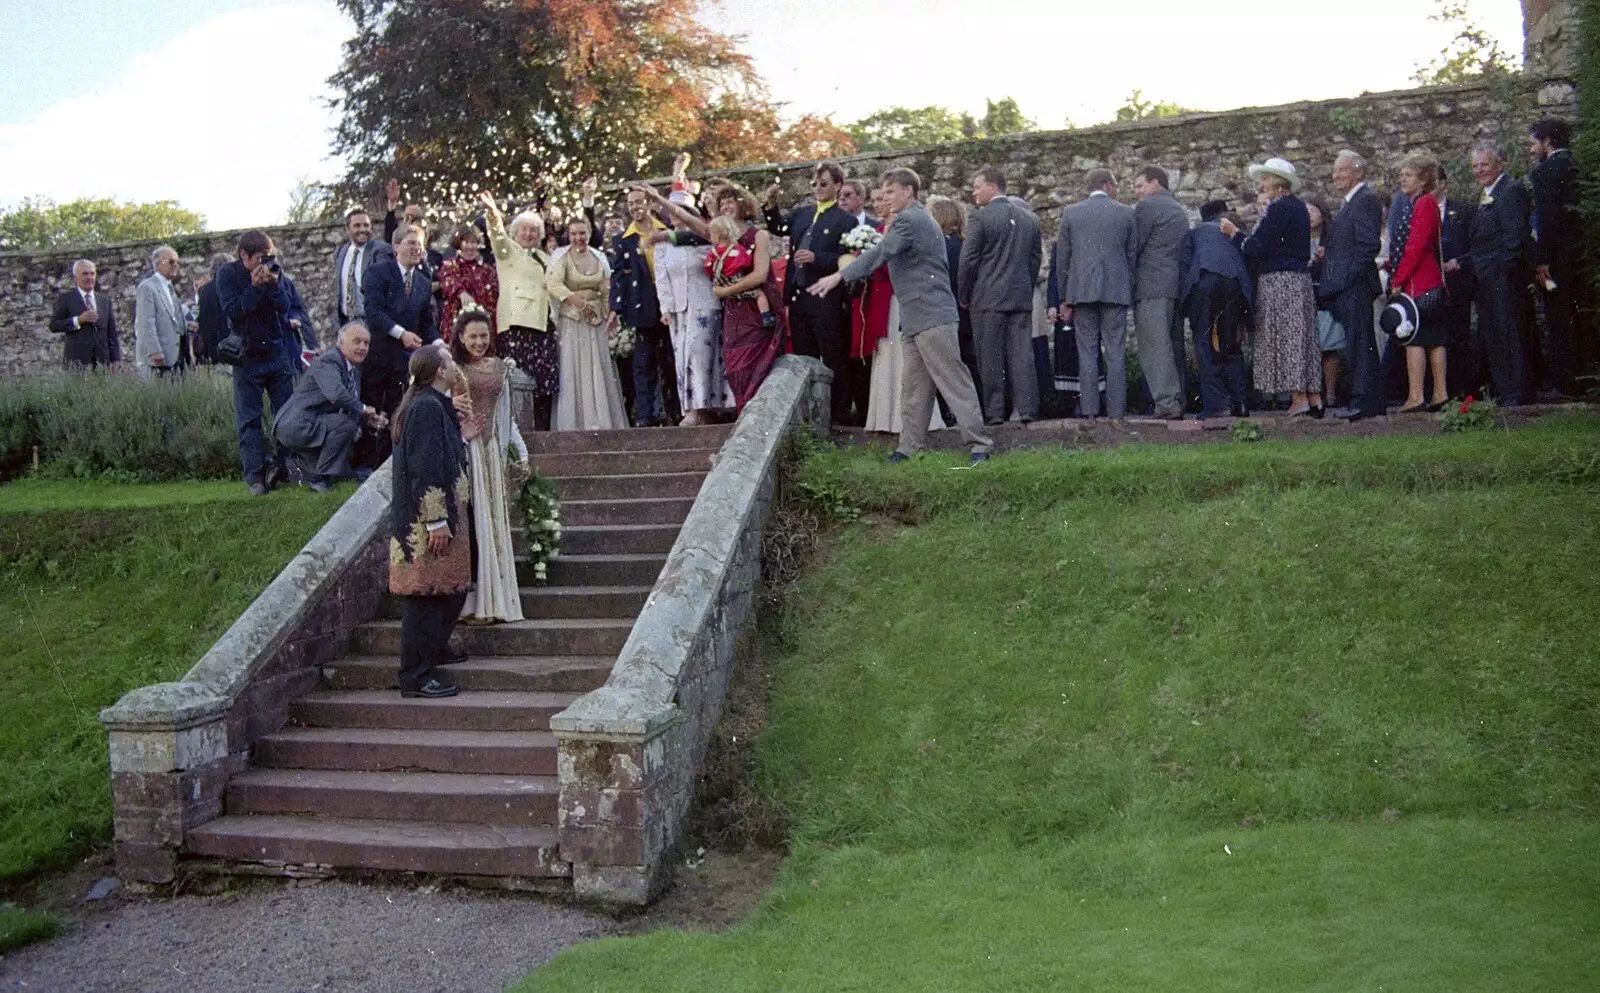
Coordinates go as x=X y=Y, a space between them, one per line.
x=523 y=310
x=1419 y=272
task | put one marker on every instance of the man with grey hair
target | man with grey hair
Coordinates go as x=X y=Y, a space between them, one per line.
x=322 y=419
x=1350 y=280
x=85 y=316
x=158 y=324
x=1501 y=233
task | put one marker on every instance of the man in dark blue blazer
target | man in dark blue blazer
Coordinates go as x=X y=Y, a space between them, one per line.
x=398 y=300
x=633 y=299
x=1465 y=373
x=1350 y=280
x=1499 y=252
x=820 y=325
x=1557 y=243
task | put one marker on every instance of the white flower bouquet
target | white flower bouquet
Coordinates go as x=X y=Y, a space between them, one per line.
x=622 y=342
x=860 y=238
x=541 y=521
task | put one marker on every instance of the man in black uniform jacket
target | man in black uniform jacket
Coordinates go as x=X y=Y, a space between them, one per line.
x=820 y=326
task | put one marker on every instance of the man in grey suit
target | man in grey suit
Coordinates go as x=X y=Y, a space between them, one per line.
x=323 y=417
x=919 y=265
x=1162 y=224
x=351 y=262
x=999 y=264
x=158 y=323
x=1096 y=253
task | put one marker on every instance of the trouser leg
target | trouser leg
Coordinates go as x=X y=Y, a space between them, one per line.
x=1500 y=332
x=939 y=360
x=1086 y=325
x=1353 y=310
x=989 y=340
x=333 y=458
x=1560 y=311
x=247 y=385
x=1114 y=344
x=1020 y=368
x=382 y=392
x=1152 y=322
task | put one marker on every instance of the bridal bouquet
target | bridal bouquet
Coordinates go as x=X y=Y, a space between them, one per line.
x=622 y=342
x=541 y=522
x=860 y=238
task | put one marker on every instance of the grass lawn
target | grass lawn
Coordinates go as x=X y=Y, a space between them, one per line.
x=20 y=927
x=103 y=588
x=1287 y=716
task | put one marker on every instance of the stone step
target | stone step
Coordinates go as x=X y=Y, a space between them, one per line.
x=628 y=439
x=523 y=801
x=649 y=510
x=558 y=465
x=561 y=601
x=485 y=753
x=527 y=674
x=598 y=570
x=584 y=601
x=619 y=539
x=503 y=710
x=540 y=636
x=633 y=486
x=388 y=846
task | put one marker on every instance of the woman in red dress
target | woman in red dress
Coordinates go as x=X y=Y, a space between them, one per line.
x=466 y=282
x=1417 y=273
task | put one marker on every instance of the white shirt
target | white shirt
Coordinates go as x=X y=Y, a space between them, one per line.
x=352 y=260
x=88 y=304
x=1353 y=190
x=1100 y=193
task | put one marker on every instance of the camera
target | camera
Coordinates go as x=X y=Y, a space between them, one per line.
x=271 y=264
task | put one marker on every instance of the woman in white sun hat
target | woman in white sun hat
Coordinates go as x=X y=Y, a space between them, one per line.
x=1288 y=358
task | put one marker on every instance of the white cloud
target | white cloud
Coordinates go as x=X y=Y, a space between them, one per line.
x=224 y=118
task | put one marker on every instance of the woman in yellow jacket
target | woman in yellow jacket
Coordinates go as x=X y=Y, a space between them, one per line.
x=523 y=313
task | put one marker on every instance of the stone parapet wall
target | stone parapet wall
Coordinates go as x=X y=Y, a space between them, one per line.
x=629 y=752
x=173 y=746
x=30 y=283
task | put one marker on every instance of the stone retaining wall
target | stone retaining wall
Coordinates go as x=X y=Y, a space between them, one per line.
x=628 y=752
x=173 y=746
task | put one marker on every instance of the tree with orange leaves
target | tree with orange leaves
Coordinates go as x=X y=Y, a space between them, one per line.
x=457 y=96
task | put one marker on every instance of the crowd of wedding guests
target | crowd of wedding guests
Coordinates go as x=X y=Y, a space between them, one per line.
x=671 y=308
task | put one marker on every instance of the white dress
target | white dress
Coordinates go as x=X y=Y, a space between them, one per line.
x=590 y=394
x=684 y=290
x=496 y=594
x=883 y=399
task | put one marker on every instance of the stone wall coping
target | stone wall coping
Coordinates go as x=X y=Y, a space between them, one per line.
x=1112 y=127
x=225 y=670
x=641 y=692
x=230 y=234
x=165 y=707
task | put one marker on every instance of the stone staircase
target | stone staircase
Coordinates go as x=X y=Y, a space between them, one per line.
x=362 y=779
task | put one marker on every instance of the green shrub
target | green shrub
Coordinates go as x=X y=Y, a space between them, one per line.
x=119 y=426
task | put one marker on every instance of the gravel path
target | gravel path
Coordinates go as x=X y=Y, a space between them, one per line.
x=334 y=937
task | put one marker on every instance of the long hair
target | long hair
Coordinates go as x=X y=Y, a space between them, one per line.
x=425 y=365
x=458 y=348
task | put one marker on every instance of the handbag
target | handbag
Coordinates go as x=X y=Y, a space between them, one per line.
x=230 y=350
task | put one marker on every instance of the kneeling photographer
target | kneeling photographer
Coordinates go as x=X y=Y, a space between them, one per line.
x=256 y=305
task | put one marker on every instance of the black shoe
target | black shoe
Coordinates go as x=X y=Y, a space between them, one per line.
x=1317 y=413
x=432 y=690
x=275 y=476
x=1434 y=408
x=896 y=457
x=453 y=658
x=257 y=489
x=978 y=458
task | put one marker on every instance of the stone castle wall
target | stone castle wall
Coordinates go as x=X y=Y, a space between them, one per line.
x=1205 y=154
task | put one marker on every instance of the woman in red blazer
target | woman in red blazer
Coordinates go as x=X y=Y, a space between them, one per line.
x=1417 y=273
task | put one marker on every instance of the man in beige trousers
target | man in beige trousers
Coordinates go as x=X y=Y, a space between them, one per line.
x=914 y=250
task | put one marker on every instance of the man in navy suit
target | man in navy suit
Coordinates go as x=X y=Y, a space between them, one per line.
x=1555 y=250
x=88 y=320
x=255 y=303
x=820 y=325
x=1500 y=236
x=1350 y=279
x=1465 y=373
x=398 y=299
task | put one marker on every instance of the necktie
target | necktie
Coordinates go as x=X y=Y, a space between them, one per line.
x=88 y=300
x=351 y=304
x=409 y=274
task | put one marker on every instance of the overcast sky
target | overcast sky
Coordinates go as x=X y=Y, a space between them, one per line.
x=167 y=99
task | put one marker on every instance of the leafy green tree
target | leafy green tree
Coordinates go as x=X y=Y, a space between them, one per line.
x=309 y=201
x=906 y=127
x=1004 y=116
x=1472 y=53
x=41 y=223
x=1137 y=108
x=455 y=96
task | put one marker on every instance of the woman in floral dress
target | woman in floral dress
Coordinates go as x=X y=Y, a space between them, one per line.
x=467 y=282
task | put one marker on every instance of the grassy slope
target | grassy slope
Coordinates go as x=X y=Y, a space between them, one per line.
x=1014 y=740
x=104 y=588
